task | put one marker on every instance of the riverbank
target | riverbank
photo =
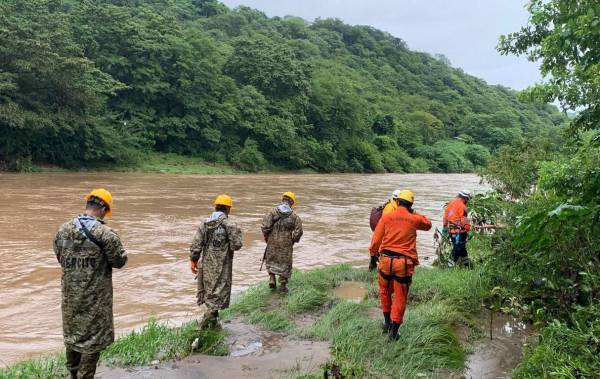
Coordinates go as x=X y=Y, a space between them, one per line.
x=337 y=305
x=146 y=163
x=154 y=162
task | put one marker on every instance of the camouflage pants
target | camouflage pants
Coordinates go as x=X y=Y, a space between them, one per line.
x=82 y=365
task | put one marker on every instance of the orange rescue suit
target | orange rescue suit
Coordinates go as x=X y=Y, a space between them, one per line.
x=395 y=240
x=456 y=217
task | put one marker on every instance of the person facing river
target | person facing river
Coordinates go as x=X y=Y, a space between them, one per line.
x=394 y=246
x=211 y=259
x=87 y=251
x=457 y=227
x=281 y=229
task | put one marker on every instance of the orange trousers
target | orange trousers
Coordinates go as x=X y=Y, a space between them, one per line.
x=393 y=292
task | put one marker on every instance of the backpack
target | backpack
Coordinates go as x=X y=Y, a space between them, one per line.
x=376 y=213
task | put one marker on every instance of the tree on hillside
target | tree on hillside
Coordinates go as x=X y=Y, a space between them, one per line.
x=564 y=35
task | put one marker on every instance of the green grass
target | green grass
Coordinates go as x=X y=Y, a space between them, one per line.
x=160 y=341
x=156 y=340
x=176 y=164
x=441 y=301
x=39 y=368
x=427 y=341
x=466 y=288
x=565 y=350
x=152 y=162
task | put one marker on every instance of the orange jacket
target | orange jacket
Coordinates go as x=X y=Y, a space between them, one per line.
x=456 y=217
x=397 y=232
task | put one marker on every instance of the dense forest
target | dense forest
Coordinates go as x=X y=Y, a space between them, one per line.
x=545 y=265
x=101 y=82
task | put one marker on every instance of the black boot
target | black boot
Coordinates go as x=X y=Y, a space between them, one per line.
x=387 y=322
x=272 y=282
x=393 y=334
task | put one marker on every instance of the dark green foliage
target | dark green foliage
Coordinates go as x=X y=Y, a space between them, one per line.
x=566 y=350
x=95 y=82
x=563 y=35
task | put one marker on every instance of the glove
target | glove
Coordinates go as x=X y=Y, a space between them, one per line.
x=194 y=266
x=373 y=262
x=266 y=237
x=445 y=233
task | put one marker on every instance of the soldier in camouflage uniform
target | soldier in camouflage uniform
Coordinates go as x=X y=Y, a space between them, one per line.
x=87 y=251
x=281 y=228
x=211 y=259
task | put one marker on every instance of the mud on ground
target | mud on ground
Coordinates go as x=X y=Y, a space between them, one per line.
x=254 y=353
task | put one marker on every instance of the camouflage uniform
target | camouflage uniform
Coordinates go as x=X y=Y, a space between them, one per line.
x=87 y=291
x=283 y=228
x=212 y=247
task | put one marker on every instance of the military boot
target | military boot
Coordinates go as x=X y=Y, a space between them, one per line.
x=272 y=281
x=393 y=333
x=210 y=321
x=283 y=285
x=387 y=322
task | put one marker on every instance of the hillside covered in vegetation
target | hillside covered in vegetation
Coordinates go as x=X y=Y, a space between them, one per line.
x=101 y=82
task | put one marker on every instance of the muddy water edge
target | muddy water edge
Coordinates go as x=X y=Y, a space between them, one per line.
x=156 y=216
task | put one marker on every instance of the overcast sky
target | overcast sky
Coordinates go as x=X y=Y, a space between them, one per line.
x=465 y=31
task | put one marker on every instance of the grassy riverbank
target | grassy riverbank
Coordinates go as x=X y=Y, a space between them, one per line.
x=441 y=302
x=148 y=162
x=156 y=340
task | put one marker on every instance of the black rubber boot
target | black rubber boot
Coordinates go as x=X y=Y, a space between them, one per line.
x=272 y=282
x=73 y=374
x=393 y=334
x=210 y=320
x=283 y=285
x=387 y=322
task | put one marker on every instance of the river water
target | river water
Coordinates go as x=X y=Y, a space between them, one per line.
x=156 y=216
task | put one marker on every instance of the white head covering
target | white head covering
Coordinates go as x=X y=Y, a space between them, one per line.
x=395 y=194
x=465 y=193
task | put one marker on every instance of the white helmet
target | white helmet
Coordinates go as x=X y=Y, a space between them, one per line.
x=465 y=194
x=395 y=194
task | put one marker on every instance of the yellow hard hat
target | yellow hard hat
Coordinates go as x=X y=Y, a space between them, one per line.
x=224 y=200
x=407 y=195
x=103 y=195
x=291 y=195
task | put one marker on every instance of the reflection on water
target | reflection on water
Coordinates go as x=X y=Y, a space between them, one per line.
x=156 y=216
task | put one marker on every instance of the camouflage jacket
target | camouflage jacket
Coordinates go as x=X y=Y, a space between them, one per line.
x=212 y=247
x=87 y=292
x=283 y=228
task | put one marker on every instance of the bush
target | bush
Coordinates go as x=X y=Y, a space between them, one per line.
x=565 y=350
x=478 y=155
x=250 y=158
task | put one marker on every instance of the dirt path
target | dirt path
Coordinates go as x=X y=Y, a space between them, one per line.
x=255 y=353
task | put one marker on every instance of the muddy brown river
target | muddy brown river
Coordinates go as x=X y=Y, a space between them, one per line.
x=156 y=216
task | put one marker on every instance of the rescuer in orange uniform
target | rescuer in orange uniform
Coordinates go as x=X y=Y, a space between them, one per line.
x=457 y=226
x=395 y=243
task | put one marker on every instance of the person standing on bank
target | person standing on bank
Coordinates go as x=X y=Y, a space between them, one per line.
x=394 y=246
x=457 y=226
x=211 y=259
x=87 y=251
x=281 y=229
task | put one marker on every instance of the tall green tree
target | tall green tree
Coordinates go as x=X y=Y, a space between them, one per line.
x=564 y=35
